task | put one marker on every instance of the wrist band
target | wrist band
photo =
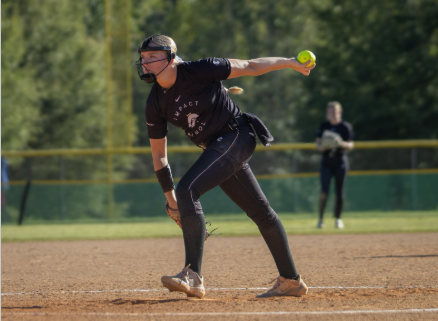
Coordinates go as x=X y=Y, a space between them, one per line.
x=165 y=179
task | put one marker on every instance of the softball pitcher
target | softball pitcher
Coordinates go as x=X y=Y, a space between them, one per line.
x=190 y=95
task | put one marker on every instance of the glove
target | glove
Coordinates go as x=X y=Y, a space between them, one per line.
x=330 y=140
x=173 y=214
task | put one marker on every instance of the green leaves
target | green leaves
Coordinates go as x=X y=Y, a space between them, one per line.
x=20 y=95
x=378 y=58
x=374 y=57
x=53 y=77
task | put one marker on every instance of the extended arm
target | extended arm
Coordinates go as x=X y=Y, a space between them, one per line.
x=159 y=156
x=260 y=66
x=347 y=145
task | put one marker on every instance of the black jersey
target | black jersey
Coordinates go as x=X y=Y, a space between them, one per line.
x=197 y=102
x=343 y=129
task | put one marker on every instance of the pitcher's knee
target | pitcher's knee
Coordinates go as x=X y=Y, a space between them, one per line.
x=188 y=200
x=187 y=189
x=265 y=218
x=182 y=192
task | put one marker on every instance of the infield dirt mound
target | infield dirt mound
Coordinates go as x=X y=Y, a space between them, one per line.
x=381 y=273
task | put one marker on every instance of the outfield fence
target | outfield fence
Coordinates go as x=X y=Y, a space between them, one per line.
x=80 y=185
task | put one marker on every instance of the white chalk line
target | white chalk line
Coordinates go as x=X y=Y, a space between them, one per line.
x=115 y=314
x=221 y=289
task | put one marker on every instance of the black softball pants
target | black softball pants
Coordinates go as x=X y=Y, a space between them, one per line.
x=336 y=167
x=224 y=163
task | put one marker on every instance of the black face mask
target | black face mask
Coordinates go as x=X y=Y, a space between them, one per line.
x=148 y=77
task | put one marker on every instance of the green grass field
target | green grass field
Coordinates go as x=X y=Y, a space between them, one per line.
x=229 y=225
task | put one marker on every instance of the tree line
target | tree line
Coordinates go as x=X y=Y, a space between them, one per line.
x=378 y=58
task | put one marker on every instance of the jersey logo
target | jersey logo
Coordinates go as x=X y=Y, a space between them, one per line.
x=149 y=124
x=191 y=118
x=178 y=98
x=216 y=62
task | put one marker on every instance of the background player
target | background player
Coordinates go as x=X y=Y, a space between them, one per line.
x=333 y=139
x=190 y=95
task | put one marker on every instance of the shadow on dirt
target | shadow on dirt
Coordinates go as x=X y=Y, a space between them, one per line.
x=150 y=301
x=32 y=307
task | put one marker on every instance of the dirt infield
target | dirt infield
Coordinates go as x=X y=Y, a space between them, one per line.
x=360 y=277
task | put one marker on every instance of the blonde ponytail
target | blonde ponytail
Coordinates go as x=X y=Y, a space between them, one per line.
x=234 y=90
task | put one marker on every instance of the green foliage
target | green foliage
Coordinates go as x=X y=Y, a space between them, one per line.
x=54 y=90
x=20 y=94
x=49 y=56
x=379 y=59
x=69 y=66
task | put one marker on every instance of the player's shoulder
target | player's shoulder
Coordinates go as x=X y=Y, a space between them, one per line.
x=347 y=125
x=191 y=68
x=192 y=64
x=200 y=63
x=206 y=70
x=324 y=124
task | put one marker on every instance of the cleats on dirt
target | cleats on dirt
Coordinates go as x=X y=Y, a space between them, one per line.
x=185 y=281
x=286 y=287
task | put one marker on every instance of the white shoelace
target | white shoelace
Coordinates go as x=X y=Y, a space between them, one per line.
x=276 y=285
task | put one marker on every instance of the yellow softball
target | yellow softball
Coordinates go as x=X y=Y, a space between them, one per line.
x=306 y=55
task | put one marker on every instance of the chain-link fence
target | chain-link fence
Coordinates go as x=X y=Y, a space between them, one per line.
x=78 y=185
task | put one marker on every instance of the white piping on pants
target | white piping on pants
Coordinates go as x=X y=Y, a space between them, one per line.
x=190 y=187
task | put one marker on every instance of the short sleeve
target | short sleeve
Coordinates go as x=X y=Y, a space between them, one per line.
x=210 y=69
x=320 y=130
x=350 y=133
x=157 y=124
